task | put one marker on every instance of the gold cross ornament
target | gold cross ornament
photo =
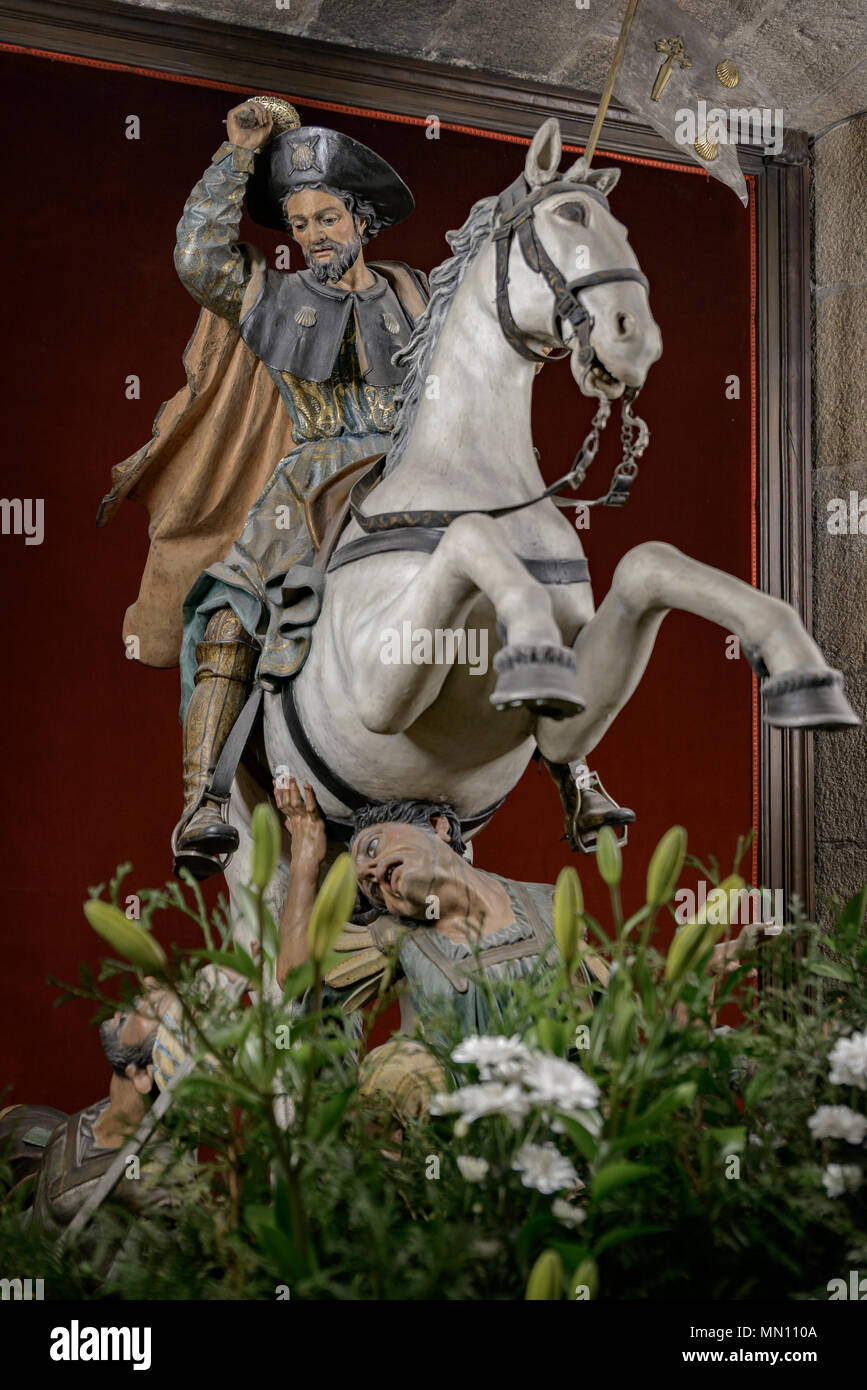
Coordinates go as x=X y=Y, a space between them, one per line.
x=675 y=52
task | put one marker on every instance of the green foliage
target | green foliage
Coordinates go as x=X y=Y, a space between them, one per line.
x=685 y=1166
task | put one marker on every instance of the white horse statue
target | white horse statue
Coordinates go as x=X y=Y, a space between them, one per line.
x=508 y=568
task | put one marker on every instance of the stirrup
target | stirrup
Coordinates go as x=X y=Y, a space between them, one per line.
x=196 y=861
x=618 y=819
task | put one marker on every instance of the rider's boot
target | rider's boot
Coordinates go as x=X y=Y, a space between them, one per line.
x=587 y=806
x=203 y=840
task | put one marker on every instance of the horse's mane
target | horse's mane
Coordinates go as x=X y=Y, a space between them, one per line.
x=417 y=352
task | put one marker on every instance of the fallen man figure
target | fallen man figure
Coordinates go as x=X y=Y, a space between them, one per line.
x=454 y=928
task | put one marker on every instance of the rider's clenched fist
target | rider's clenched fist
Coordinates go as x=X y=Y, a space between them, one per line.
x=249 y=125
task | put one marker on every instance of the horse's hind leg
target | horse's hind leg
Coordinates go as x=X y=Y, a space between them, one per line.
x=799 y=690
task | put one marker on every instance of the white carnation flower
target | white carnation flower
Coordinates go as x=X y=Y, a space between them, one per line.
x=472 y=1169
x=556 y=1084
x=566 y=1212
x=498 y=1058
x=488 y=1098
x=838 y=1122
x=840 y=1178
x=543 y=1166
x=849 y=1061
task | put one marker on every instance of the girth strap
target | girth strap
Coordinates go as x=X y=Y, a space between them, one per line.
x=427 y=538
x=339 y=789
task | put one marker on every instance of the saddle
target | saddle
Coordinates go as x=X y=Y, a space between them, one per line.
x=326 y=508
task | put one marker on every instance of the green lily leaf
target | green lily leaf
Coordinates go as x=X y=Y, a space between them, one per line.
x=616 y=1175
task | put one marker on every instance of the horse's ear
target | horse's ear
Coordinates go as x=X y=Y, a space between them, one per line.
x=604 y=179
x=543 y=156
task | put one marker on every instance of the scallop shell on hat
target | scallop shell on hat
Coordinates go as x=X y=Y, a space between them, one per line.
x=706 y=149
x=305 y=317
x=727 y=73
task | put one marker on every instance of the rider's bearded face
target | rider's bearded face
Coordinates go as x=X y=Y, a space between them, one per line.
x=399 y=866
x=326 y=232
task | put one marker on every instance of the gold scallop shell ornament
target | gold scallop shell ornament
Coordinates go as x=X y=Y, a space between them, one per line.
x=282 y=113
x=706 y=149
x=727 y=73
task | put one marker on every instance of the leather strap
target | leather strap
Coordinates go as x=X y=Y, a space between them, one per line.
x=320 y=769
x=459 y=973
x=220 y=788
x=394 y=521
x=336 y=786
x=427 y=538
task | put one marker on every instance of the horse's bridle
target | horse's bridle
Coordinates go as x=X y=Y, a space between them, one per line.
x=516 y=218
x=515 y=209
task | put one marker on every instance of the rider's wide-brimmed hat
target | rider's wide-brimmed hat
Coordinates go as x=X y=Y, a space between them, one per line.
x=313 y=155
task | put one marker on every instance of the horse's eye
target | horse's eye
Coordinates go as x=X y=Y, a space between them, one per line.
x=572 y=212
x=373 y=845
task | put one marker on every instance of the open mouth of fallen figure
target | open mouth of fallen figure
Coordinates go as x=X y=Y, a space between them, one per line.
x=387 y=876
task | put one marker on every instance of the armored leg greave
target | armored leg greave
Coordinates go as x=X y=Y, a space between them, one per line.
x=227 y=660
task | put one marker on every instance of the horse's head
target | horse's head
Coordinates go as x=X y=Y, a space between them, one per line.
x=575 y=283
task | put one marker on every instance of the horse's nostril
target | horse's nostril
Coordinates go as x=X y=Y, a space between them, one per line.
x=624 y=324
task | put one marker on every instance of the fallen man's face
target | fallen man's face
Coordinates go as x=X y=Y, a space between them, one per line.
x=399 y=866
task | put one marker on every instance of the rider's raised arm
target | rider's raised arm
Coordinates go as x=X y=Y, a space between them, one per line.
x=208 y=259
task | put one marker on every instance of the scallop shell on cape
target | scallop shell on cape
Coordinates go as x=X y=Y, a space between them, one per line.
x=305 y=317
x=706 y=149
x=390 y=322
x=727 y=73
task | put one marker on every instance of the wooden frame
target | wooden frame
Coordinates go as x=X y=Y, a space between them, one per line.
x=245 y=60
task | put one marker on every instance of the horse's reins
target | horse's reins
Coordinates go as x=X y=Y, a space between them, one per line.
x=516 y=219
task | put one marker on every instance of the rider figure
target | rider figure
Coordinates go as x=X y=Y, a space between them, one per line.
x=326 y=336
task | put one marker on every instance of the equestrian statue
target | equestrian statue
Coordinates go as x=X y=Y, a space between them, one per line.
x=290 y=367
x=408 y=492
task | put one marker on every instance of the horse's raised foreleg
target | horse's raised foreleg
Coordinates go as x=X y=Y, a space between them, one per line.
x=472 y=559
x=800 y=690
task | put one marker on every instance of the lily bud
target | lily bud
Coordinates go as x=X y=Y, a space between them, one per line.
x=568 y=908
x=722 y=901
x=129 y=939
x=699 y=936
x=586 y=1277
x=333 y=907
x=546 y=1278
x=266 y=844
x=608 y=857
x=665 y=865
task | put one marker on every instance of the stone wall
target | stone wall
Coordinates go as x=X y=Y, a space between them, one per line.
x=840 y=468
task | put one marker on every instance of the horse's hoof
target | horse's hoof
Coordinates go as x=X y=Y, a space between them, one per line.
x=807 y=700
x=540 y=678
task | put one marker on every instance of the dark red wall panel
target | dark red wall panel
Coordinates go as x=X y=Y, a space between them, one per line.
x=90 y=741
